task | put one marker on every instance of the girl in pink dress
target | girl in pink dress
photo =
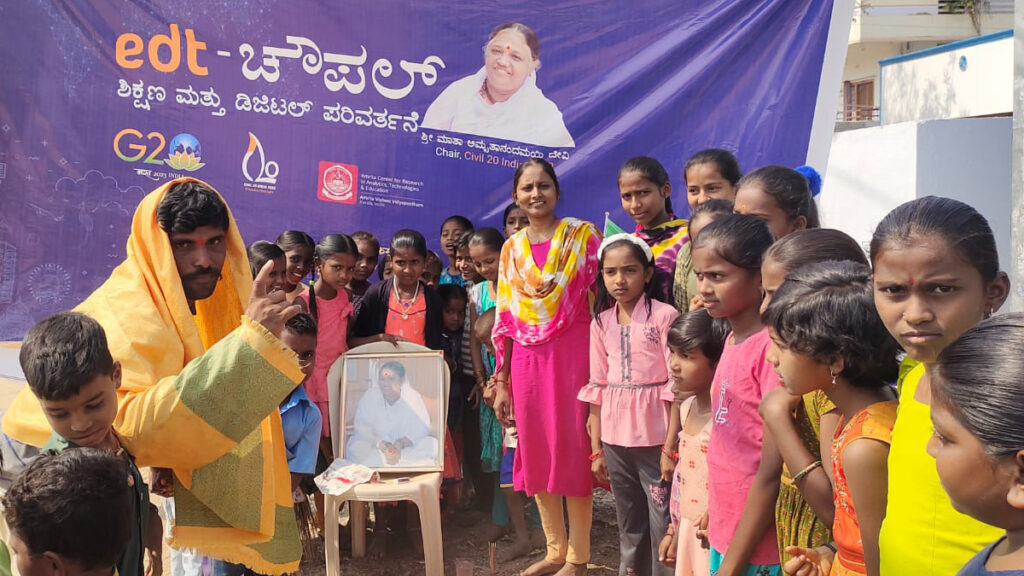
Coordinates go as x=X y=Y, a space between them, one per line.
x=696 y=343
x=545 y=277
x=727 y=257
x=628 y=406
x=327 y=300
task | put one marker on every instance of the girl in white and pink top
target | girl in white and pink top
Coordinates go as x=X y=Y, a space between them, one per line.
x=629 y=399
x=727 y=258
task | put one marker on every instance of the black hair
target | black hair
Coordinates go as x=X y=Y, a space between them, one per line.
x=980 y=377
x=328 y=246
x=726 y=162
x=489 y=237
x=408 y=239
x=301 y=324
x=431 y=258
x=697 y=330
x=384 y=262
x=815 y=245
x=545 y=165
x=960 y=225
x=393 y=365
x=76 y=504
x=713 y=208
x=292 y=239
x=604 y=299
x=826 y=311
x=450 y=292
x=790 y=190
x=190 y=205
x=463 y=241
x=364 y=236
x=739 y=239
x=260 y=252
x=63 y=353
x=531 y=37
x=484 y=318
x=460 y=220
x=651 y=170
x=508 y=210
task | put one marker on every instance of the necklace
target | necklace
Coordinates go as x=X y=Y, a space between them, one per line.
x=405 y=304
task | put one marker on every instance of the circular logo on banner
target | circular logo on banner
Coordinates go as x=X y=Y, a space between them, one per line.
x=337 y=184
x=49 y=284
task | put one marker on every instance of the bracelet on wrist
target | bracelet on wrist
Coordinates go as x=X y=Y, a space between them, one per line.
x=801 y=474
x=831 y=546
x=672 y=455
x=596 y=455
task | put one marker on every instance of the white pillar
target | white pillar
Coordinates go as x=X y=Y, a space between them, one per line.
x=1016 y=271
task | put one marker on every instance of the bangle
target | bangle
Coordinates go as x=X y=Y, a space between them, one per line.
x=831 y=546
x=799 y=475
x=672 y=455
x=596 y=455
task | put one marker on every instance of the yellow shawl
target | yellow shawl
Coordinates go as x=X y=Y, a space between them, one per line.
x=177 y=409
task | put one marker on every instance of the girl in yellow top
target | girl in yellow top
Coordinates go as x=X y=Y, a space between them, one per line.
x=936 y=274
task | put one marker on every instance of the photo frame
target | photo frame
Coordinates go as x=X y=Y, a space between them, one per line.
x=393 y=410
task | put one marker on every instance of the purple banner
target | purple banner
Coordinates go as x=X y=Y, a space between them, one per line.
x=367 y=115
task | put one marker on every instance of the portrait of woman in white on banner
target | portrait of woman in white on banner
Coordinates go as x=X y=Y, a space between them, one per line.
x=502 y=100
x=394 y=411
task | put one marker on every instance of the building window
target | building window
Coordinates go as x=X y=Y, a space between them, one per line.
x=859 y=101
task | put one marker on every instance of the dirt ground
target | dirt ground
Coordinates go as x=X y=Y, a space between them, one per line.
x=465 y=539
x=465 y=536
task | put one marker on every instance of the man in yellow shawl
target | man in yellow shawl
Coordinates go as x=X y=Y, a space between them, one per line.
x=203 y=375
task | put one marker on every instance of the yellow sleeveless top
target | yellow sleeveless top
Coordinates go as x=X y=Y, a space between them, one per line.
x=922 y=535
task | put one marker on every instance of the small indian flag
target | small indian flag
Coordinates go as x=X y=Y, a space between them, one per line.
x=611 y=228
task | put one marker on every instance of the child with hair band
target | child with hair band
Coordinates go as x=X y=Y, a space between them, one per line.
x=432 y=270
x=727 y=257
x=645 y=192
x=72 y=514
x=801 y=427
x=513 y=220
x=452 y=230
x=369 y=253
x=298 y=249
x=684 y=287
x=68 y=366
x=695 y=341
x=403 y=309
x=780 y=196
x=936 y=274
x=327 y=301
x=978 y=444
x=628 y=402
x=826 y=336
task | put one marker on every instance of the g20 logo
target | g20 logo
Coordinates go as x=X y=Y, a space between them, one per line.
x=184 y=152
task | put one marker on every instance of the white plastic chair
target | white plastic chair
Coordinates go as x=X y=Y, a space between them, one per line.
x=422 y=489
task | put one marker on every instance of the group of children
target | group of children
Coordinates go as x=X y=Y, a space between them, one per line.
x=762 y=397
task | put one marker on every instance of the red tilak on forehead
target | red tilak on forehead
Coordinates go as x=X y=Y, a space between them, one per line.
x=911 y=280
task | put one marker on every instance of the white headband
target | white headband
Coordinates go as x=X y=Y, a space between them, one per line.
x=628 y=238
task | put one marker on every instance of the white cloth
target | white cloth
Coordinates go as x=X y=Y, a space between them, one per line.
x=528 y=116
x=378 y=420
x=342 y=475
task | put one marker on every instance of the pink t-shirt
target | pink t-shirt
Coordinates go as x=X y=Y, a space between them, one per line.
x=743 y=377
x=628 y=372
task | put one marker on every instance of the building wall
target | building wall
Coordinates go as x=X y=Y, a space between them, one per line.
x=934 y=86
x=873 y=170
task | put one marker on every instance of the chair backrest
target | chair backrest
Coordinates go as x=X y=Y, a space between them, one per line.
x=336 y=382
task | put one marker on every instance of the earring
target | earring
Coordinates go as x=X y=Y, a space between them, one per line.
x=834 y=376
x=988 y=312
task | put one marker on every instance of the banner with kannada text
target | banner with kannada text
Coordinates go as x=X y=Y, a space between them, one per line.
x=375 y=115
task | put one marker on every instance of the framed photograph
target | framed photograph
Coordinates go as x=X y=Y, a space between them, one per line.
x=394 y=411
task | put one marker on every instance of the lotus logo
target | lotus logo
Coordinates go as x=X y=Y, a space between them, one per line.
x=185 y=153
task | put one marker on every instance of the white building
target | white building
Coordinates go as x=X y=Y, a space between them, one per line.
x=884 y=29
